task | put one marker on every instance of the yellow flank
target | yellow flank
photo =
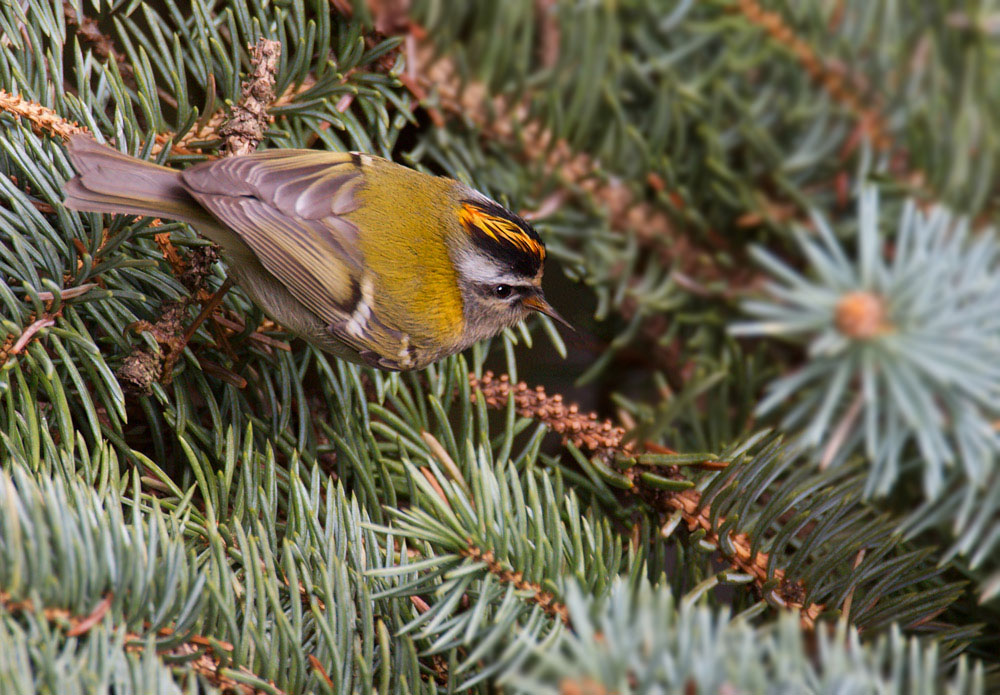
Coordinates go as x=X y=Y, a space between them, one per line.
x=501 y=229
x=406 y=216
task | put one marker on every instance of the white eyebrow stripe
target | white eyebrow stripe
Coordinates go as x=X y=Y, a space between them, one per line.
x=478 y=269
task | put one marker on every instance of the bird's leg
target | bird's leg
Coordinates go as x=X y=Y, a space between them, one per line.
x=177 y=345
x=211 y=305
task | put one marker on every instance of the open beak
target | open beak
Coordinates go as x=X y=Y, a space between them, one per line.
x=538 y=303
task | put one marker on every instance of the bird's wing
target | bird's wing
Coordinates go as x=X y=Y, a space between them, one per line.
x=289 y=206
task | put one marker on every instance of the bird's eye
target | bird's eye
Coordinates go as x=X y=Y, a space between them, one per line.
x=502 y=291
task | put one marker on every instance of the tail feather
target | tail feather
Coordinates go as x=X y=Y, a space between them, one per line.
x=110 y=181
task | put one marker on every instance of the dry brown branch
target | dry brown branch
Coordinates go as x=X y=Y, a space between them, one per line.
x=242 y=132
x=43 y=119
x=212 y=127
x=605 y=439
x=33 y=328
x=549 y=32
x=143 y=366
x=847 y=89
x=248 y=122
x=585 y=431
x=15 y=344
x=86 y=28
x=539 y=596
x=167 y=248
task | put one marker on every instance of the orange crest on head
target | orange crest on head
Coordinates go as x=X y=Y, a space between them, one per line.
x=504 y=235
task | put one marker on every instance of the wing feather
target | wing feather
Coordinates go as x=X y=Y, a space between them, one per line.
x=289 y=206
x=305 y=256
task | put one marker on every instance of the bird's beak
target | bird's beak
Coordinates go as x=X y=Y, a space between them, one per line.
x=538 y=303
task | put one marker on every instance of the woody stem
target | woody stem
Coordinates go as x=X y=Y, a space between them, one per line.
x=214 y=301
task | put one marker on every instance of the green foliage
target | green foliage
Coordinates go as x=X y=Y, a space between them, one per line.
x=327 y=528
x=641 y=639
x=924 y=374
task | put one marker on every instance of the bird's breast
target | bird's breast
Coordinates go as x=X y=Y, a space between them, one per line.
x=403 y=240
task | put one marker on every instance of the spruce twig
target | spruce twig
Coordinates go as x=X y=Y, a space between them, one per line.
x=904 y=332
x=247 y=123
x=197 y=652
x=42 y=118
x=546 y=600
x=606 y=440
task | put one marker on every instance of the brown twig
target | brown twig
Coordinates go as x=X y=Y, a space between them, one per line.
x=235 y=325
x=248 y=121
x=42 y=118
x=849 y=90
x=585 y=431
x=143 y=366
x=13 y=345
x=242 y=132
x=38 y=324
x=539 y=596
x=836 y=82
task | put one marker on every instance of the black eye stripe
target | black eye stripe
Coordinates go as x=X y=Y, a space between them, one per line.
x=502 y=290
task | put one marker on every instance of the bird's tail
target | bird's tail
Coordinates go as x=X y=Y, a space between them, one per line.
x=109 y=181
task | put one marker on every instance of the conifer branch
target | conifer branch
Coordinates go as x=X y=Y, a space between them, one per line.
x=14 y=344
x=242 y=133
x=644 y=639
x=42 y=118
x=246 y=125
x=871 y=122
x=846 y=89
x=607 y=441
x=334 y=529
x=584 y=431
x=87 y=29
x=546 y=600
x=197 y=652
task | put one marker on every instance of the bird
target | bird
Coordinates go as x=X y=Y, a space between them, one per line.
x=367 y=259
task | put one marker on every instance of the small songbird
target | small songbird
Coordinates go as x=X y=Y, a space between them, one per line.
x=366 y=259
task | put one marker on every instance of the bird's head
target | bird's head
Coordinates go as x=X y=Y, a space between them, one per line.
x=499 y=259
